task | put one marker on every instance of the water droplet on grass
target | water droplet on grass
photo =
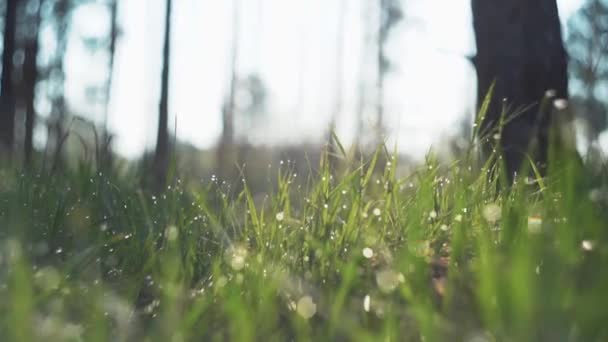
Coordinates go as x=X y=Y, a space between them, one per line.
x=560 y=104
x=306 y=307
x=387 y=280
x=587 y=245
x=236 y=256
x=367 y=303
x=172 y=233
x=492 y=213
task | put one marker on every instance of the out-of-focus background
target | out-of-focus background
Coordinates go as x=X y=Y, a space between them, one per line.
x=268 y=75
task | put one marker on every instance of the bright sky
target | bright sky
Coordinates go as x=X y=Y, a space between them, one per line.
x=292 y=45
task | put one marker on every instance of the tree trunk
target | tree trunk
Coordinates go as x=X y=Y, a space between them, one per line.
x=7 y=95
x=226 y=152
x=382 y=68
x=30 y=78
x=520 y=48
x=111 y=54
x=161 y=158
x=106 y=153
x=339 y=68
x=363 y=77
x=56 y=83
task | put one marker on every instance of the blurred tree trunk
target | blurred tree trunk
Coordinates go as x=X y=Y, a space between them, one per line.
x=339 y=68
x=30 y=79
x=161 y=157
x=390 y=14
x=111 y=54
x=520 y=48
x=7 y=95
x=364 y=76
x=382 y=65
x=56 y=83
x=226 y=152
x=106 y=154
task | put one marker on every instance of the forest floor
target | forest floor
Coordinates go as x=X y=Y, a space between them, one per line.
x=448 y=253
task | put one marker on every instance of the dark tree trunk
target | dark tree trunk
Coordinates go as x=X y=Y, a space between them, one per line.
x=30 y=78
x=161 y=158
x=520 y=48
x=7 y=95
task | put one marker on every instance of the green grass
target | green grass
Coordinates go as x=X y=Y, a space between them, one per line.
x=88 y=256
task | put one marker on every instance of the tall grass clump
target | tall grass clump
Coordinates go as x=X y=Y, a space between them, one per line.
x=451 y=252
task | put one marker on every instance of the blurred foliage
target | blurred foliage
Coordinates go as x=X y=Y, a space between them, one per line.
x=588 y=45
